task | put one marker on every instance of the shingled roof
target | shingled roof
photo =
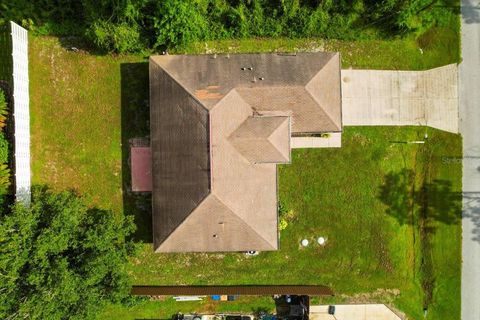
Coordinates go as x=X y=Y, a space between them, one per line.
x=219 y=125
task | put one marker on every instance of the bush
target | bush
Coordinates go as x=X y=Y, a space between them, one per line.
x=179 y=23
x=3 y=149
x=115 y=25
x=3 y=110
x=4 y=179
x=109 y=37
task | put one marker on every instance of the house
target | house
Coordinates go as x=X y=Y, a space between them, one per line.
x=220 y=124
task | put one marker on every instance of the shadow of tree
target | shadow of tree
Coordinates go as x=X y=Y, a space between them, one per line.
x=436 y=199
x=396 y=194
x=423 y=208
x=442 y=204
x=471 y=211
x=470 y=11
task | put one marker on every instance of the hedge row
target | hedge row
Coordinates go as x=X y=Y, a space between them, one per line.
x=133 y=25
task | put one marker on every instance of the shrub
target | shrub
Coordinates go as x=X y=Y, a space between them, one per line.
x=114 y=25
x=4 y=179
x=178 y=23
x=3 y=110
x=3 y=149
x=109 y=36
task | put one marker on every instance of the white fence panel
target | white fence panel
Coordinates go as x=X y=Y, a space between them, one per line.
x=21 y=113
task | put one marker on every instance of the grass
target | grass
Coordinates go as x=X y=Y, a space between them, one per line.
x=85 y=108
x=370 y=246
x=165 y=309
x=76 y=121
x=437 y=47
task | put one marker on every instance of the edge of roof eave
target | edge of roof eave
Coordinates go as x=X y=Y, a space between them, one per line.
x=178 y=82
x=157 y=247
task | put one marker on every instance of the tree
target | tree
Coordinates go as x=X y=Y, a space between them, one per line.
x=178 y=23
x=61 y=259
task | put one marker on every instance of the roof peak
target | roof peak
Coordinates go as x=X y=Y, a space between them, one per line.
x=263 y=139
x=226 y=231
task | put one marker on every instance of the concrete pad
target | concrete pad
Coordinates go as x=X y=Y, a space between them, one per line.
x=442 y=113
x=381 y=97
x=354 y=312
x=333 y=141
x=411 y=111
x=442 y=82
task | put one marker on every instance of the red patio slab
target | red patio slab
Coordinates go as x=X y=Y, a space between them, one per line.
x=141 y=165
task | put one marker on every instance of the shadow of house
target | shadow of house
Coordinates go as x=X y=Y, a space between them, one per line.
x=135 y=124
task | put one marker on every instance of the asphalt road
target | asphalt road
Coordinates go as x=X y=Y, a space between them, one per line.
x=469 y=123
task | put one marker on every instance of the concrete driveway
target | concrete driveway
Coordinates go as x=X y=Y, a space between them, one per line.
x=353 y=312
x=388 y=97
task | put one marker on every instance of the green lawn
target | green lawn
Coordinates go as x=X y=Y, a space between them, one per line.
x=85 y=108
x=435 y=48
x=336 y=193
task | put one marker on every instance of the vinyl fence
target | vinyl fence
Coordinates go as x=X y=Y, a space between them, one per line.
x=21 y=113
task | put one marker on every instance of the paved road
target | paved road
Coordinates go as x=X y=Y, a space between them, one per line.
x=469 y=80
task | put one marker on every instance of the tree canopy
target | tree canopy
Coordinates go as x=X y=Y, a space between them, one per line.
x=61 y=259
x=132 y=25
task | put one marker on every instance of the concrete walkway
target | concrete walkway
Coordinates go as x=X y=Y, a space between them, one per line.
x=470 y=129
x=384 y=97
x=334 y=140
x=353 y=312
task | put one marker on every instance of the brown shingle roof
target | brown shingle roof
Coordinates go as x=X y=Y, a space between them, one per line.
x=263 y=139
x=217 y=132
x=180 y=153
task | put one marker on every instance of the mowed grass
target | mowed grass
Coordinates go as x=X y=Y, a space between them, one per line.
x=84 y=108
x=335 y=193
x=76 y=121
x=435 y=48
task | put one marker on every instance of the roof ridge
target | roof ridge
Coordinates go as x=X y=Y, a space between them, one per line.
x=233 y=90
x=316 y=73
x=334 y=55
x=178 y=225
x=326 y=114
x=214 y=196
x=180 y=84
x=287 y=119
x=241 y=219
